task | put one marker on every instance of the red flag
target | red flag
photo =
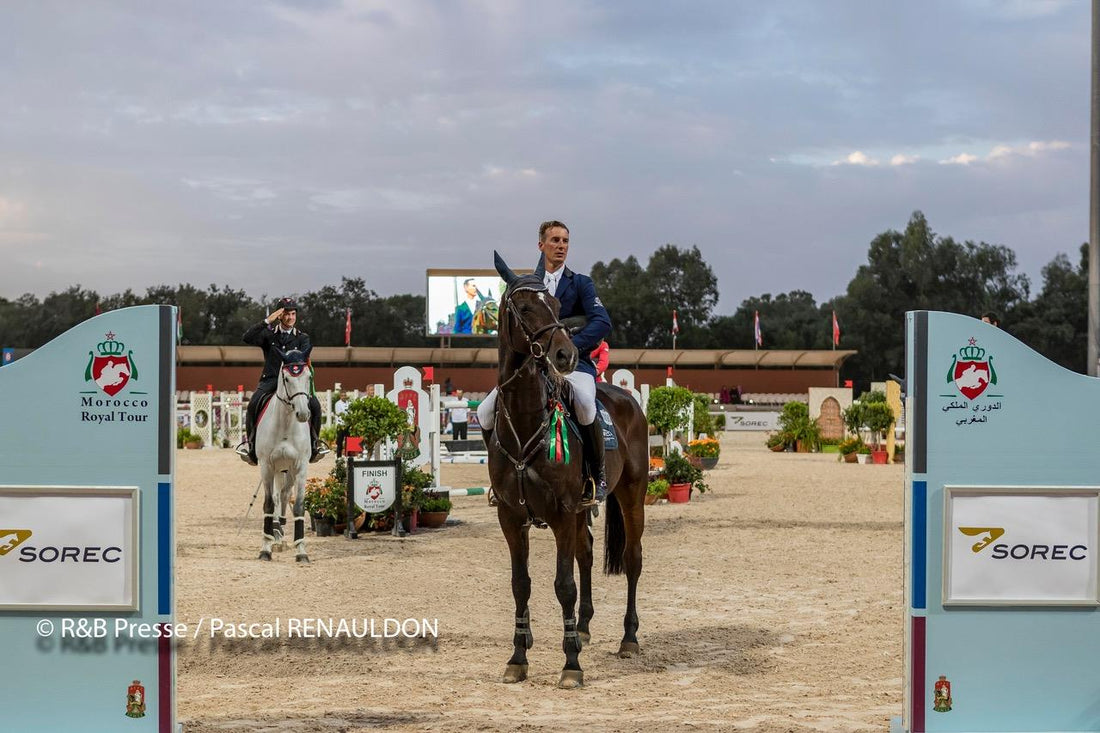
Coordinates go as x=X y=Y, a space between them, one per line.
x=675 y=324
x=836 y=331
x=98 y=310
x=429 y=374
x=757 y=334
x=347 y=329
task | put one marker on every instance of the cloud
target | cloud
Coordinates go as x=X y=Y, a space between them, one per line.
x=902 y=159
x=1005 y=153
x=856 y=158
x=960 y=159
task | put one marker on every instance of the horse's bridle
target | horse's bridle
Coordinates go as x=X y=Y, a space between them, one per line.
x=532 y=336
x=294 y=370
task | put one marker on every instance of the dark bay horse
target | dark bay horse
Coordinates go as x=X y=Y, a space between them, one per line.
x=534 y=487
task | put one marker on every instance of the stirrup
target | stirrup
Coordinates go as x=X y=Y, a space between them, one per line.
x=592 y=496
x=244 y=450
x=492 y=496
x=320 y=450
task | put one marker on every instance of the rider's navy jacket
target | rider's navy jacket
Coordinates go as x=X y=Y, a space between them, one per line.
x=577 y=295
x=265 y=336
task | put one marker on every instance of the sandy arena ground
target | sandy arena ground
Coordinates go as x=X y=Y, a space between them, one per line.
x=772 y=604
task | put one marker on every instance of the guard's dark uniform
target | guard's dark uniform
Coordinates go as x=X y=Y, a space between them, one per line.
x=267 y=336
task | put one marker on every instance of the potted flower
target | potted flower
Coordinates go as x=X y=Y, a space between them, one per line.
x=863 y=455
x=794 y=419
x=327 y=503
x=706 y=450
x=413 y=494
x=657 y=490
x=778 y=442
x=878 y=417
x=849 y=448
x=434 y=511
x=191 y=440
x=682 y=477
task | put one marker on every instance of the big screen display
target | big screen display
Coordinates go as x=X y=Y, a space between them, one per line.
x=464 y=302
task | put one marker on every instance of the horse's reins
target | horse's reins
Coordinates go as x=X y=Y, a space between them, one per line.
x=529 y=448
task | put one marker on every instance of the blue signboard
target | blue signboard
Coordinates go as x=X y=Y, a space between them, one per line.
x=7 y=355
x=87 y=456
x=1002 y=509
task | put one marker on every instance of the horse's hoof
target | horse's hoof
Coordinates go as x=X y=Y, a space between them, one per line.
x=302 y=559
x=515 y=673
x=571 y=679
x=629 y=649
x=265 y=555
x=585 y=637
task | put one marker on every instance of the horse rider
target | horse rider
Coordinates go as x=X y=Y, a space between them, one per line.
x=577 y=295
x=274 y=333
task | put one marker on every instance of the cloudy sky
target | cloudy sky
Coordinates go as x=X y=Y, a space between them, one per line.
x=275 y=146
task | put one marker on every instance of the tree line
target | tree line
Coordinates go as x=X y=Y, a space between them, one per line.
x=912 y=269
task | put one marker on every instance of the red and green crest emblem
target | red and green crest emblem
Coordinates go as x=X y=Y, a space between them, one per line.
x=111 y=370
x=971 y=370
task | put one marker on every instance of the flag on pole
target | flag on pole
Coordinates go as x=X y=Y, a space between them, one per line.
x=347 y=329
x=675 y=324
x=98 y=310
x=836 y=331
x=756 y=329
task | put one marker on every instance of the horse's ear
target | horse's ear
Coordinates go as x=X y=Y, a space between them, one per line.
x=503 y=270
x=305 y=354
x=280 y=352
x=540 y=268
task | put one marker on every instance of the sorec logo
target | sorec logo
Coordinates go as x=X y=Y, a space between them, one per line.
x=1022 y=550
x=971 y=371
x=111 y=371
x=12 y=538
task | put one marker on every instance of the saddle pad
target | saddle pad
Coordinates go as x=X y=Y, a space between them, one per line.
x=610 y=438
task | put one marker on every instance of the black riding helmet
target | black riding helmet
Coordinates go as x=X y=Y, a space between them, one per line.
x=287 y=304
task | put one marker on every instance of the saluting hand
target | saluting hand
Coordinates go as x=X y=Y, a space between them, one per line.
x=275 y=316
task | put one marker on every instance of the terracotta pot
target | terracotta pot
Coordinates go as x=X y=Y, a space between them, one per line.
x=651 y=499
x=431 y=520
x=850 y=457
x=193 y=445
x=679 y=493
x=779 y=448
x=694 y=460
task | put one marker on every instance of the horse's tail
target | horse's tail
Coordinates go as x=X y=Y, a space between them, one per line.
x=614 y=538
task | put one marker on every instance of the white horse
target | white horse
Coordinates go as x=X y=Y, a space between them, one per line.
x=283 y=446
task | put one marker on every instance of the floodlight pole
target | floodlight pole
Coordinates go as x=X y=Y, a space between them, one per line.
x=1094 y=199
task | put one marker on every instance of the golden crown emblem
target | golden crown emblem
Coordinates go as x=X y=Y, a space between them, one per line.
x=408 y=383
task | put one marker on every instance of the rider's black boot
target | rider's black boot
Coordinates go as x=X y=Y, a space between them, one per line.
x=318 y=448
x=594 y=455
x=486 y=435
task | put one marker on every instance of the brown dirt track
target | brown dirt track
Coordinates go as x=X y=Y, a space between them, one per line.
x=773 y=604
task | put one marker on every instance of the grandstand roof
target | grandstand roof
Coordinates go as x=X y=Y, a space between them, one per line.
x=653 y=358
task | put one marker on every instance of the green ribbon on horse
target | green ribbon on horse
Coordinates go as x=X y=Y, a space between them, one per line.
x=558 y=449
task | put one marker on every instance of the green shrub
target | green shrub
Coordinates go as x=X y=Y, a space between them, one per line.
x=374 y=419
x=657 y=487
x=667 y=407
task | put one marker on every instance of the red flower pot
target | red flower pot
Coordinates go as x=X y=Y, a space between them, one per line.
x=879 y=457
x=679 y=493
